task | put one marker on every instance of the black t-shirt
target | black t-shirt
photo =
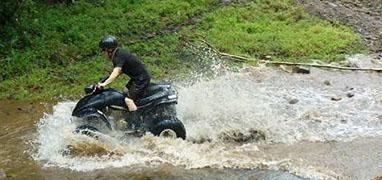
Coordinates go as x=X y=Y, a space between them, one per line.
x=130 y=65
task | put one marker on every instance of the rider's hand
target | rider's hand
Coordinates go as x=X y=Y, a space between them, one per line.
x=101 y=86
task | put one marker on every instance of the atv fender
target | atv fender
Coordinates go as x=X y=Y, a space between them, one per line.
x=94 y=114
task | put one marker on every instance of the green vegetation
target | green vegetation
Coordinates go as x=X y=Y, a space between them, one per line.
x=279 y=29
x=51 y=49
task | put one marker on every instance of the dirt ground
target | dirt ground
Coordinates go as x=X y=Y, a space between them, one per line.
x=365 y=16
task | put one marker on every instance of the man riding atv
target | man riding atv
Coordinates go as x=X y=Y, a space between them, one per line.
x=124 y=62
x=145 y=106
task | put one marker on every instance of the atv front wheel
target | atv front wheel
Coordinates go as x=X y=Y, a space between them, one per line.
x=87 y=130
x=94 y=120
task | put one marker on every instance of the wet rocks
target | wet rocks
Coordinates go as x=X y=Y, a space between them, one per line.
x=240 y=137
x=301 y=70
x=293 y=101
x=350 y=94
x=327 y=82
x=336 y=98
x=295 y=69
x=349 y=88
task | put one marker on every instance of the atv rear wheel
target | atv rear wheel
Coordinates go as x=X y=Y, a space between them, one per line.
x=168 y=133
x=169 y=128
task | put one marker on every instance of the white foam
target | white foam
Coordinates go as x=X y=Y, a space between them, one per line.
x=251 y=99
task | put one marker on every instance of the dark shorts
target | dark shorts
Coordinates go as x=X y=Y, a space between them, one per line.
x=136 y=89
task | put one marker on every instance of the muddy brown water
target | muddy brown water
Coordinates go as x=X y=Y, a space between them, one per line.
x=18 y=129
x=305 y=133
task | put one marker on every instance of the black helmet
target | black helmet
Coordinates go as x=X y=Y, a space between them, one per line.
x=108 y=42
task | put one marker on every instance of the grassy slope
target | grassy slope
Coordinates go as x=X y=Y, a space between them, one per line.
x=278 y=29
x=262 y=27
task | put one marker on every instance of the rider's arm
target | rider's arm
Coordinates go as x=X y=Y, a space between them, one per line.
x=116 y=72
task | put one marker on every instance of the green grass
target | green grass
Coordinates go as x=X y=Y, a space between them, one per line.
x=73 y=32
x=69 y=81
x=52 y=49
x=277 y=28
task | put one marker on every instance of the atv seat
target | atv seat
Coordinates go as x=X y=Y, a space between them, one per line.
x=154 y=88
x=154 y=91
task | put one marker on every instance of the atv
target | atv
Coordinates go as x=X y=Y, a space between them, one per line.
x=104 y=111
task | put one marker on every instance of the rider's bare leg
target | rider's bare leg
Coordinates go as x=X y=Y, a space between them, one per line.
x=132 y=118
x=129 y=102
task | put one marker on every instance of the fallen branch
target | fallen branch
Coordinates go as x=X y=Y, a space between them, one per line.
x=322 y=66
x=237 y=57
x=241 y=58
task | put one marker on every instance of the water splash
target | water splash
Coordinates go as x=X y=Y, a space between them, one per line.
x=260 y=99
x=230 y=116
x=149 y=151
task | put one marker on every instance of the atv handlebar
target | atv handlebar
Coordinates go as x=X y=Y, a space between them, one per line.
x=94 y=87
x=103 y=79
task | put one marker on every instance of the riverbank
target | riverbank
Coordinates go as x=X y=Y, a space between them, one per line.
x=364 y=16
x=48 y=55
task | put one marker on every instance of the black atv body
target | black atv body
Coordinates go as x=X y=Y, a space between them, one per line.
x=102 y=110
